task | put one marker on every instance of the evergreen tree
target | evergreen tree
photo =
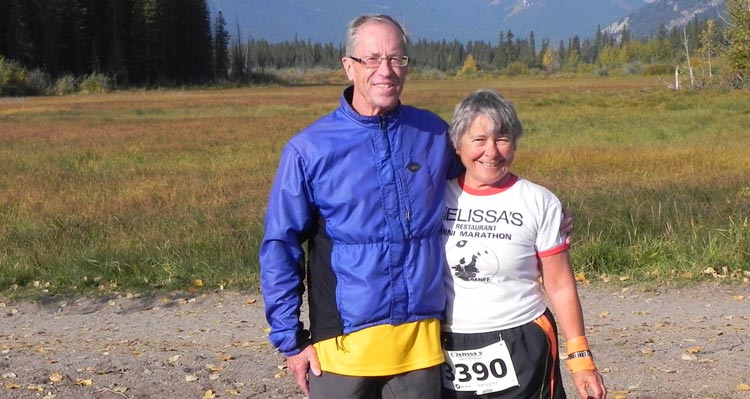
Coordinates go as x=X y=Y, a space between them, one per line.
x=193 y=41
x=118 y=25
x=171 y=47
x=528 y=55
x=221 y=48
x=76 y=47
x=625 y=37
x=17 y=35
x=572 y=59
x=143 y=61
x=238 y=72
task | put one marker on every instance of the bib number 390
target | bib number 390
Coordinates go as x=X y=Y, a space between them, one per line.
x=483 y=370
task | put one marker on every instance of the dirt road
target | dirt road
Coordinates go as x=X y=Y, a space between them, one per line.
x=673 y=343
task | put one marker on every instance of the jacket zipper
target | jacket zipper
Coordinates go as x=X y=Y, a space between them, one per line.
x=400 y=183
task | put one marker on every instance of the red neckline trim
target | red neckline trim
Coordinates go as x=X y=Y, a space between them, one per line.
x=486 y=191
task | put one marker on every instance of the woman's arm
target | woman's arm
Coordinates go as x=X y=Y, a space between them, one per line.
x=560 y=286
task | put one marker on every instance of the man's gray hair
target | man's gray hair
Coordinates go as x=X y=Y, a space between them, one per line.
x=353 y=29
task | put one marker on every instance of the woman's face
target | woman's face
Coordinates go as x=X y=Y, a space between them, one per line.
x=486 y=157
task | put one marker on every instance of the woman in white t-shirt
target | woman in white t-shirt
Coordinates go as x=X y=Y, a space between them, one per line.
x=505 y=252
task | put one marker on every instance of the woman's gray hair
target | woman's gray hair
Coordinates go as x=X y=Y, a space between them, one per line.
x=353 y=29
x=495 y=107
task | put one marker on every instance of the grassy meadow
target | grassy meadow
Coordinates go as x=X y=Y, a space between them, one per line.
x=138 y=190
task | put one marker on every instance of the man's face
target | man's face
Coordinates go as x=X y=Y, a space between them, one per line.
x=377 y=90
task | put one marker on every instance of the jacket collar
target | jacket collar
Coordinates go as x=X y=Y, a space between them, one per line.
x=346 y=107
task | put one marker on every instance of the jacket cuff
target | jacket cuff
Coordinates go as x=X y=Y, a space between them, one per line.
x=302 y=339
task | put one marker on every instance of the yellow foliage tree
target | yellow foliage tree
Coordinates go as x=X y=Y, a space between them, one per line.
x=469 y=68
x=548 y=60
x=738 y=34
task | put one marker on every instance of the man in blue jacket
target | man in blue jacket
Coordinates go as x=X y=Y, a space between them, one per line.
x=363 y=186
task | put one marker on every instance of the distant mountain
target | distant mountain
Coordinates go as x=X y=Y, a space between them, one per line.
x=668 y=13
x=324 y=21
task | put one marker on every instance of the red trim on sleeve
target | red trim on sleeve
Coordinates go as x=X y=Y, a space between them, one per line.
x=554 y=251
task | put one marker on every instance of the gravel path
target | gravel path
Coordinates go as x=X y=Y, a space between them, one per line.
x=674 y=343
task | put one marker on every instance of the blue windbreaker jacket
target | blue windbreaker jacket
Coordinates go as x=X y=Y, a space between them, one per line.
x=366 y=194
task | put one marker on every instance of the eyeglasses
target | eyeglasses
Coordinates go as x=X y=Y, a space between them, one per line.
x=374 y=62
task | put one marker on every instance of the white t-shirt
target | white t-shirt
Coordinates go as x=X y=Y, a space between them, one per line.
x=493 y=240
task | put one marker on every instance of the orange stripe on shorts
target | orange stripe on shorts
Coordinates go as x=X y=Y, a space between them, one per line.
x=543 y=322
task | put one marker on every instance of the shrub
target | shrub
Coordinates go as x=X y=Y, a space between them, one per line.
x=426 y=74
x=517 y=69
x=658 y=69
x=95 y=83
x=632 y=68
x=13 y=77
x=40 y=82
x=65 y=85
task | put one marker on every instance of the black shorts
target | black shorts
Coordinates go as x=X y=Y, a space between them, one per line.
x=533 y=349
x=417 y=384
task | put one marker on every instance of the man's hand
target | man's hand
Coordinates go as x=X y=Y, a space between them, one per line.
x=300 y=363
x=566 y=226
x=590 y=385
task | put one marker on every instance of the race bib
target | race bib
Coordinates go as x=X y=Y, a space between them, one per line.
x=482 y=370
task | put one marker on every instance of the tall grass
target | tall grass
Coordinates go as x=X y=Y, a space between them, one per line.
x=137 y=190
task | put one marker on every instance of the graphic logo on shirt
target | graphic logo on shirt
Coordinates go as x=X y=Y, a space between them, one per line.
x=472 y=264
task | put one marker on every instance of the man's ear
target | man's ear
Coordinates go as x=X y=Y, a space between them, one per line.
x=348 y=65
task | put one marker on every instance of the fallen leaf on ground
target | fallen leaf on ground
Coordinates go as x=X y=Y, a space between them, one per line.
x=84 y=382
x=689 y=357
x=191 y=378
x=209 y=394
x=743 y=387
x=55 y=377
x=214 y=368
